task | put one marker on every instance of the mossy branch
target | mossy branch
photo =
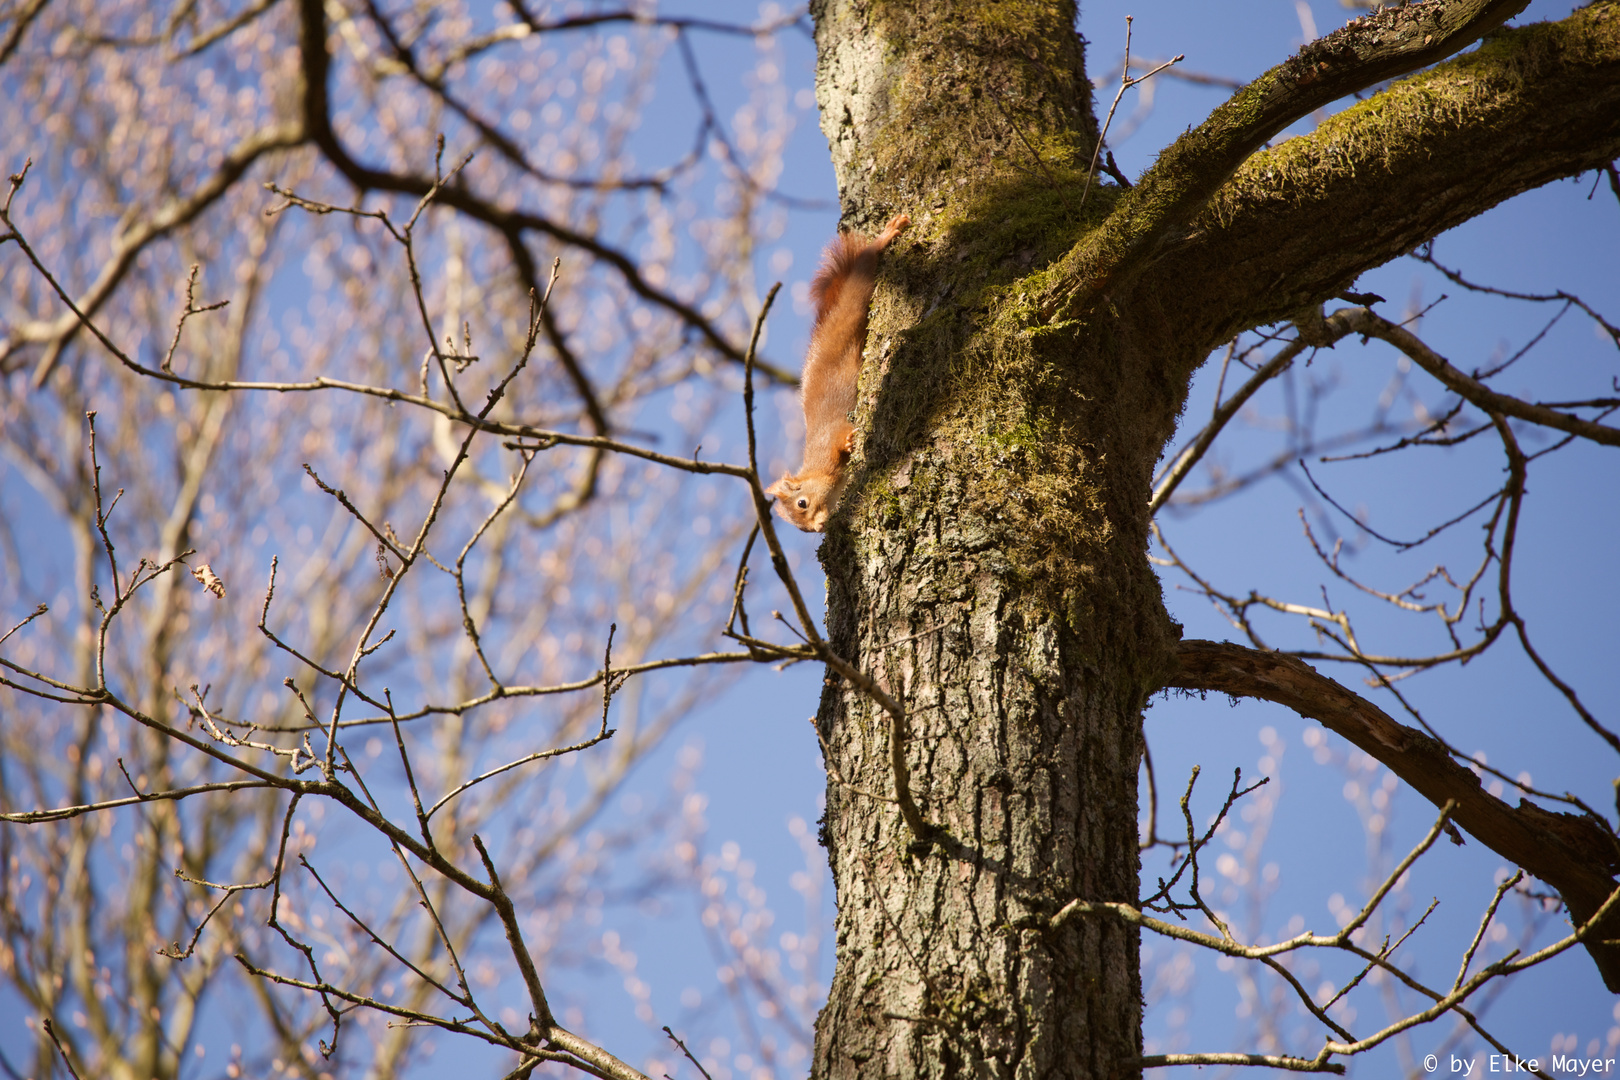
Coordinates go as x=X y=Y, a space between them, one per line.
x=1369 y=50
x=1298 y=223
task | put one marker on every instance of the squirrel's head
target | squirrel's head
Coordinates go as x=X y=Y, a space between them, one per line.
x=806 y=501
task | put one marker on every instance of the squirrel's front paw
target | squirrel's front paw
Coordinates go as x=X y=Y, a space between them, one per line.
x=849 y=442
x=894 y=228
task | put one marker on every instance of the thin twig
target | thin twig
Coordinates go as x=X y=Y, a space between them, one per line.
x=50 y=1029
x=689 y=1057
x=1125 y=83
x=1484 y=925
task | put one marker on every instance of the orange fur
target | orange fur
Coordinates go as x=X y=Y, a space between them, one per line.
x=842 y=294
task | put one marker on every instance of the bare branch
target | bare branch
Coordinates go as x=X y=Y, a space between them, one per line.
x=1269 y=1061
x=1573 y=854
x=1125 y=83
x=1363 y=321
x=67 y=1062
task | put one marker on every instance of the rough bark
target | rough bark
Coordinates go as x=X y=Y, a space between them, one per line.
x=1026 y=363
x=990 y=573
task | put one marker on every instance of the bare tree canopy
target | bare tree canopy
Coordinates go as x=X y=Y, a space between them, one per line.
x=390 y=402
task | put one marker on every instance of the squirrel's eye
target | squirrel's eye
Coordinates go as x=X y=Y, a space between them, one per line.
x=804 y=504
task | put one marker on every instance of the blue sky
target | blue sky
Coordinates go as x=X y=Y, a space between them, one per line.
x=1327 y=822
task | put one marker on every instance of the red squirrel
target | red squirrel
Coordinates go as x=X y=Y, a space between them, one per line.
x=842 y=293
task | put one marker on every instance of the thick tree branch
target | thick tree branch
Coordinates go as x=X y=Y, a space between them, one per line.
x=1297 y=223
x=1570 y=853
x=1376 y=47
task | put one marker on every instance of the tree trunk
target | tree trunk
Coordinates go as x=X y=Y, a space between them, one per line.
x=990 y=569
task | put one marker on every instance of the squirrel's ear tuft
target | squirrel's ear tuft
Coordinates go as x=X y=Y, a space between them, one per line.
x=780 y=489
